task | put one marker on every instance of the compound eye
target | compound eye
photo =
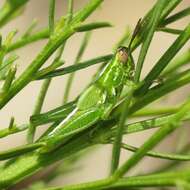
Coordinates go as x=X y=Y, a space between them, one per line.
x=122 y=53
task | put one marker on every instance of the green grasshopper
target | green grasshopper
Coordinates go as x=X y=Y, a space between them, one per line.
x=97 y=101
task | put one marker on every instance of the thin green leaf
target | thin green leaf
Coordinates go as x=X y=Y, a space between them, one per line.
x=165 y=59
x=55 y=42
x=10 y=10
x=14 y=129
x=77 y=60
x=53 y=115
x=92 y=26
x=171 y=84
x=179 y=61
x=119 y=134
x=86 y=11
x=181 y=14
x=179 y=157
x=42 y=94
x=155 y=111
x=153 y=22
x=69 y=12
x=165 y=179
x=169 y=6
x=4 y=155
x=51 y=68
x=30 y=29
x=168 y=179
x=51 y=15
x=37 y=109
x=169 y=30
x=46 y=83
x=74 y=68
x=42 y=34
x=165 y=130
x=6 y=65
x=9 y=79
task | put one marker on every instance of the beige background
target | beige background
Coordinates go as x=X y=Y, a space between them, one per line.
x=120 y=13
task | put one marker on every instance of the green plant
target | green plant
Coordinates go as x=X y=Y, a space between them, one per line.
x=26 y=160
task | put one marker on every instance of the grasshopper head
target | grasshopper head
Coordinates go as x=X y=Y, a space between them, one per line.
x=122 y=54
x=124 y=57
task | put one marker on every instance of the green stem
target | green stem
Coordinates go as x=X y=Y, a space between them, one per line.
x=155 y=180
x=149 y=111
x=51 y=15
x=42 y=34
x=77 y=59
x=4 y=155
x=177 y=157
x=169 y=6
x=116 y=150
x=70 y=11
x=9 y=79
x=155 y=93
x=172 y=124
x=9 y=10
x=32 y=163
x=170 y=30
x=165 y=59
x=30 y=29
x=47 y=51
x=153 y=22
x=185 y=12
x=158 y=180
x=46 y=83
x=85 y=186
x=179 y=61
x=37 y=109
x=15 y=129
x=73 y=68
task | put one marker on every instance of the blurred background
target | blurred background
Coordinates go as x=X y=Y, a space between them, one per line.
x=121 y=13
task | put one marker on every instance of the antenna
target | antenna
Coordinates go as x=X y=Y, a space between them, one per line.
x=135 y=32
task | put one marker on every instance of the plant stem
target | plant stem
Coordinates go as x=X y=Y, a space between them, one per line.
x=32 y=163
x=15 y=129
x=172 y=124
x=70 y=11
x=42 y=34
x=155 y=180
x=73 y=68
x=85 y=186
x=177 y=157
x=171 y=84
x=155 y=111
x=148 y=38
x=7 y=154
x=51 y=16
x=9 y=79
x=170 y=30
x=47 y=51
x=77 y=60
x=181 y=14
x=118 y=138
x=9 y=9
x=46 y=83
x=179 y=61
x=159 y=180
x=165 y=59
x=37 y=109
